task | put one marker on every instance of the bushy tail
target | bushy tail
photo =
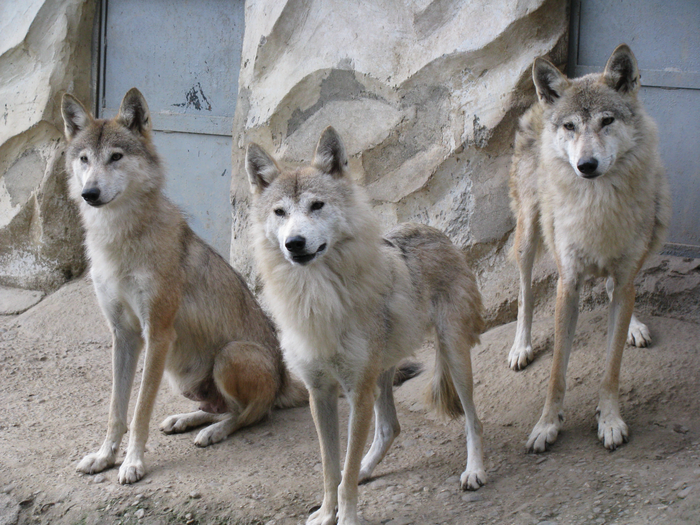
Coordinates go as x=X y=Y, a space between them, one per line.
x=458 y=331
x=407 y=370
x=441 y=392
x=293 y=392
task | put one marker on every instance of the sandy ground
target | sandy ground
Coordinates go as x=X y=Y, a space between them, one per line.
x=55 y=377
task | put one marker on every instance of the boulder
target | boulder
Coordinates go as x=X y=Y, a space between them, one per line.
x=45 y=50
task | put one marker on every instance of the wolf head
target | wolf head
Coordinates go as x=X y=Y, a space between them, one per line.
x=303 y=212
x=591 y=117
x=110 y=158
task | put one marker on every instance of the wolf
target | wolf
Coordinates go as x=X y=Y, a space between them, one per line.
x=350 y=304
x=587 y=178
x=160 y=286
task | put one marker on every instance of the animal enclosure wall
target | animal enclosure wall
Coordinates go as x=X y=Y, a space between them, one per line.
x=424 y=94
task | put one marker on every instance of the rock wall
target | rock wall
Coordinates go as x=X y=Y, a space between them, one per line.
x=426 y=95
x=45 y=50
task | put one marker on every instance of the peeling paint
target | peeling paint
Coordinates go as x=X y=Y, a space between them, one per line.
x=195 y=98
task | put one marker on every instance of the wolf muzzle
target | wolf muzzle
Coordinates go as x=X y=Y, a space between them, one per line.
x=587 y=166
x=296 y=246
x=92 y=196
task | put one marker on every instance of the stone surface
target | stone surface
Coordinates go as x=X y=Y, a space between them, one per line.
x=9 y=510
x=16 y=300
x=425 y=95
x=44 y=51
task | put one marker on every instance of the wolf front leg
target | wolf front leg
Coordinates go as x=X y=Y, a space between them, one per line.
x=323 y=398
x=612 y=430
x=361 y=402
x=566 y=315
x=159 y=339
x=527 y=238
x=126 y=347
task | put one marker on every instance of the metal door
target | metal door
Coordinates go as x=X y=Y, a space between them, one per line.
x=665 y=37
x=184 y=57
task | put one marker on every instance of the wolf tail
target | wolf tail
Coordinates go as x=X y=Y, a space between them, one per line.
x=293 y=392
x=407 y=370
x=458 y=324
x=441 y=393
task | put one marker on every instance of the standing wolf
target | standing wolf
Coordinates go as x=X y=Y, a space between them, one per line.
x=351 y=304
x=586 y=176
x=160 y=286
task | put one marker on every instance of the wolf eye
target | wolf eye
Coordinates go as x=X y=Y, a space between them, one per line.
x=317 y=205
x=83 y=159
x=607 y=121
x=279 y=212
x=569 y=126
x=115 y=157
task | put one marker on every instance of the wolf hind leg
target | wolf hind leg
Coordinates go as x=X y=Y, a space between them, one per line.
x=453 y=391
x=386 y=425
x=178 y=423
x=527 y=239
x=637 y=334
x=248 y=379
x=228 y=423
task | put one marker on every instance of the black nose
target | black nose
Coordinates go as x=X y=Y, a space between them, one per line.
x=587 y=165
x=91 y=195
x=295 y=244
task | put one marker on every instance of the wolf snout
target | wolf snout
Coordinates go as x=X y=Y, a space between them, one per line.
x=296 y=244
x=91 y=196
x=588 y=166
x=299 y=250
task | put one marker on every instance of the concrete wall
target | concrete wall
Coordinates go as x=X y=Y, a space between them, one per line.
x=426 y=95
x=45 y=50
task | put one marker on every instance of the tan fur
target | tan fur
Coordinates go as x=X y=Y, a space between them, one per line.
x=161 y=287
x=586 y=177
x=351 y=304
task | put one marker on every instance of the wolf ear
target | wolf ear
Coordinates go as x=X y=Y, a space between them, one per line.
x=262 y=169
x=75 y=116
x=550 y=83
x=134 y=114
x=330 y=154
x=621 y=71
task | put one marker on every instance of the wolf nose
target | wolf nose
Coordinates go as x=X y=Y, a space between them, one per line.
x=295 y=244
x=91 y=195
x=587 y=165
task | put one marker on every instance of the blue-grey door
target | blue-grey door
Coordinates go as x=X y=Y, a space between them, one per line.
x=184 y=56
x=665 y=37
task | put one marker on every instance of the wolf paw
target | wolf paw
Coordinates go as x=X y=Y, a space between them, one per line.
x=321 y=517
x=365 y=474
x=612 y=430
x=638 y=334
x=545 y=433
x=520 y=356
x=131 y=471
x=350 y=519
x=472 y=479
x=210 y=435
x=94 y=463
x=173 y=424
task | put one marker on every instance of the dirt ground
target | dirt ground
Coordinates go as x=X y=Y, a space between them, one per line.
x=55 y=377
